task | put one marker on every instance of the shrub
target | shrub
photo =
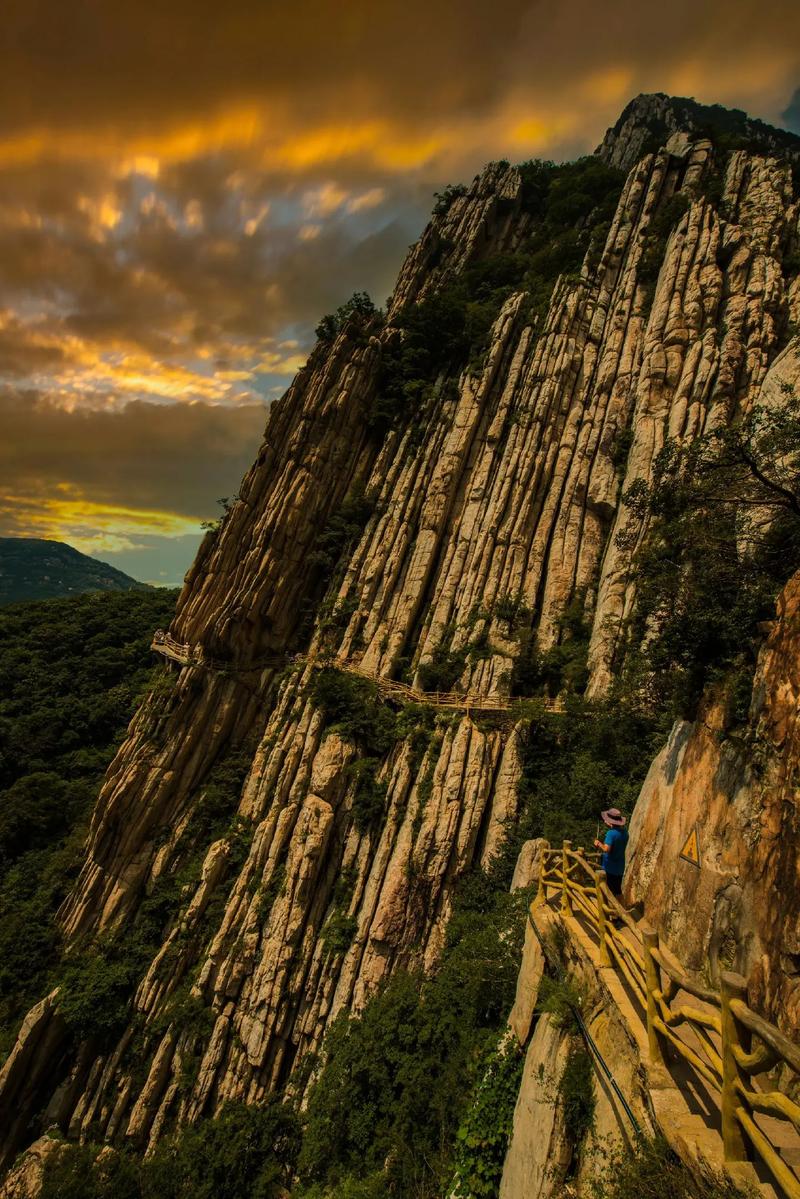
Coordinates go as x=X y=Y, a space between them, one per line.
x=576 y=1094
x=96 y=989
x=359 y=309
x=485 y=1132
x=664 y=221
x=339 y=931
x=444 y=199
x=561 y=668
x=574 y=765
x=706 y=573
x=243 y=1153
x=512 y=609
x=397 y=1078
x=443 y=669
x=352 y=706
x=369 y=798
x=560 y=998
x=72 y=672
x=653 y=1171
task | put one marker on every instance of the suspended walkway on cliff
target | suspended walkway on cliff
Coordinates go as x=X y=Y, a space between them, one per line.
x=736 y=1070
x=389 y=689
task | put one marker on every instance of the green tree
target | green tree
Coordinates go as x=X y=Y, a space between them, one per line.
x=72 y=672
x=722 y=519
x=243 y=1153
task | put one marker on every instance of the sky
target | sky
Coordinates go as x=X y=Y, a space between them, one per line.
x=186 y=187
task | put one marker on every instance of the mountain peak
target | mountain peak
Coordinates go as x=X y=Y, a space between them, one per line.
x=650 y=119
x=33 y=568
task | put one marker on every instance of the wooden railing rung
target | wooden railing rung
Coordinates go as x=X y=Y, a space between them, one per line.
x=683 y=981
x=781 y=1172
x=687 y=1053
x=768 y=1033
x=772 y=1103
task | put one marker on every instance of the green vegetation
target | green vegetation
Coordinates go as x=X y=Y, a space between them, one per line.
x=592 y=757
x=653 y=1171
x=72 y=672
x=563 y=667
x=369 y=798
x=323 y=564
x=512 y=609
x=225 y=503
x=443 y=669
x=576 y=1094
x=340 y=928
x=728 y=129
x=484 y=1135
x=244 y=1153
x=397 y=1081
x=571 y=205
x=667 y=216
x=98 y=981
x=560 y=997
x=352 y=707
x=444 y=199
x=33 y=568
x=359 y=310
x=724 y=536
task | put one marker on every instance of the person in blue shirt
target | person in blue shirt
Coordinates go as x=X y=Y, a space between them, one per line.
x=613 y=847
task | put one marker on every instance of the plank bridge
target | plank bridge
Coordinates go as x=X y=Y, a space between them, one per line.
x=389 y=689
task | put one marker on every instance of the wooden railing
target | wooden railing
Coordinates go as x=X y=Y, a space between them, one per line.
x=748 y=1063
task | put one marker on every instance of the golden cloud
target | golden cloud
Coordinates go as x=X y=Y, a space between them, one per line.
x=90 y=527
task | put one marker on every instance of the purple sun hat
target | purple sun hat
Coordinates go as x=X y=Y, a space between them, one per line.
x=613 y=818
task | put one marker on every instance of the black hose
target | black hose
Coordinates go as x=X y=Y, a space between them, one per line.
x=587 y=1036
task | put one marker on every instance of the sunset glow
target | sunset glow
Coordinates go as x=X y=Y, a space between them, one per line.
x=180 y=204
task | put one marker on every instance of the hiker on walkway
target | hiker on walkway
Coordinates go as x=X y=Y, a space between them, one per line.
x=613 y=847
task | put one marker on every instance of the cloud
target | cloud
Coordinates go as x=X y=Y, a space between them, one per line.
x=398 y=84
x=170 y=462
x=186 y=187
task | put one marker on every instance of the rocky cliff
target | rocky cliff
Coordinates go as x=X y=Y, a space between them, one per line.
x=738 y=908
x=423 y=532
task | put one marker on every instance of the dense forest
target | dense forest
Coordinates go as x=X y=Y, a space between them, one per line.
x=72 y=672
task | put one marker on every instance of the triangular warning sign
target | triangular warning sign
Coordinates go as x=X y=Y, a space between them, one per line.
x=691 y=849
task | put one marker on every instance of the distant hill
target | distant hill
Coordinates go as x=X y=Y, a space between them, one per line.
x=32 y=568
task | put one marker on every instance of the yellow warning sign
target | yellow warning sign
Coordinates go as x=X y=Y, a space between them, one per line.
x=691 y=849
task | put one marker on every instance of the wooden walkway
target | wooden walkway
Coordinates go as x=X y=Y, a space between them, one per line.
x=724 y=1057
x=389 y=689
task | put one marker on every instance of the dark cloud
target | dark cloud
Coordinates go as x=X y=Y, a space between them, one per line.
x=145 y=65
x=169 y=458
x=186 y=186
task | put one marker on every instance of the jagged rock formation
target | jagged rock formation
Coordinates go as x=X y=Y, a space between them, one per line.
x=505 y=484
x=650 y=121
x=741 y=909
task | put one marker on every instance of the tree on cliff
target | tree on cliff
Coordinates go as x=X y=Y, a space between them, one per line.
x=722 y=521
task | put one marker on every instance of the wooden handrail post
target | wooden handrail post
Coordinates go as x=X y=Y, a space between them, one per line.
x=734 y=1034
x=566 y=906
x=541 y=890
x=653 y=984
x=599 y=880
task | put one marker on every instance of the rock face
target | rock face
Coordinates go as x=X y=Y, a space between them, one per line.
x=741 y=909
x=543 y=1160
x=650 y=121
x=505 y=484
